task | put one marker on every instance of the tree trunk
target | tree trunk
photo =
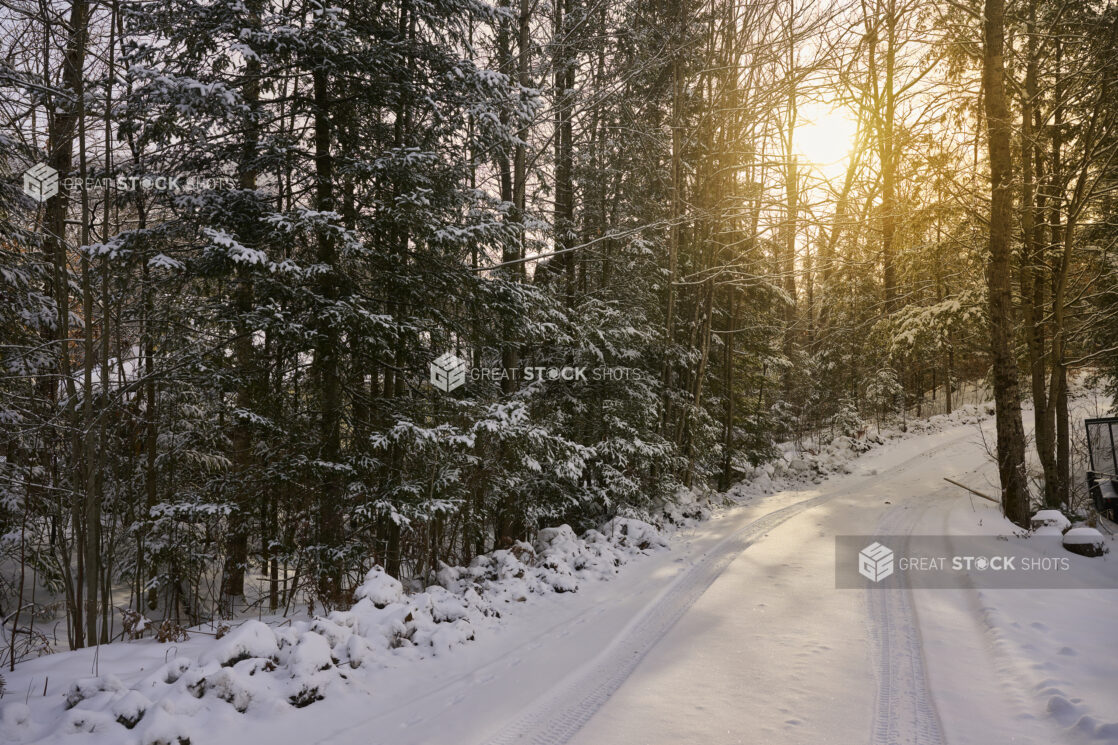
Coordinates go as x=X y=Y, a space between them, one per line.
x=244 y=355
x=1032 y=269
x=675 y=215
x=1011 y=435
x=327 y=348
x=564 y=82
x=63 y=118
x=791 y=217
x=728 y=392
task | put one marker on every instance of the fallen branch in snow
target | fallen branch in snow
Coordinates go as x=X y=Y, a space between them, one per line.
x=972 y=491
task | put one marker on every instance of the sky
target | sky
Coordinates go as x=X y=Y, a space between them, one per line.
x=825 y=136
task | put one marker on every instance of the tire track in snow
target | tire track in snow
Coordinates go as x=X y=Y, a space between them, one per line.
x=904 y=713
x=556 y=718
x=904 y=710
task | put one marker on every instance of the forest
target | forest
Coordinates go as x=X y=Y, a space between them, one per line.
x=240 y=238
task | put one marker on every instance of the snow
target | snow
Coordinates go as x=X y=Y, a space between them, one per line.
x=379 y=588
x=251 y=639
x=1081 y=536
x=727 y=630
x=261 y=671
x=1084 y=537
x=15 y=716
x=130 y=708
x=1051 y=519
x=1050 y=531
x=89 y=688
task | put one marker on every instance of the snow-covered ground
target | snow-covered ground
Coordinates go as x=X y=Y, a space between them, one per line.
x=734 y=635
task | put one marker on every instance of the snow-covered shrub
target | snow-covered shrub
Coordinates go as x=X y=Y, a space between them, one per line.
x=169 y=631
x=78 y=721
x=134 y=622
x=230 y=686
x=305 y=695
x=162 y=727
x=334 y=632
x=446 y=606
x=174 y=669
x=312 y=654
x=687 y=505
x=250 y=639
x=557 y=541
x=130 y=708
x=508 y=566
x=356 y=651
x=628 y=533
x=87 y=688
x=379 y=588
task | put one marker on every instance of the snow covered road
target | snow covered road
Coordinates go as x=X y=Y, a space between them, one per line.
x=772 y=653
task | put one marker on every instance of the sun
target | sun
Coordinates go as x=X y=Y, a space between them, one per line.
x=825 y=137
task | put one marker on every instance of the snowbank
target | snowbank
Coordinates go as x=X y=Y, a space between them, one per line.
x=261 y=669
